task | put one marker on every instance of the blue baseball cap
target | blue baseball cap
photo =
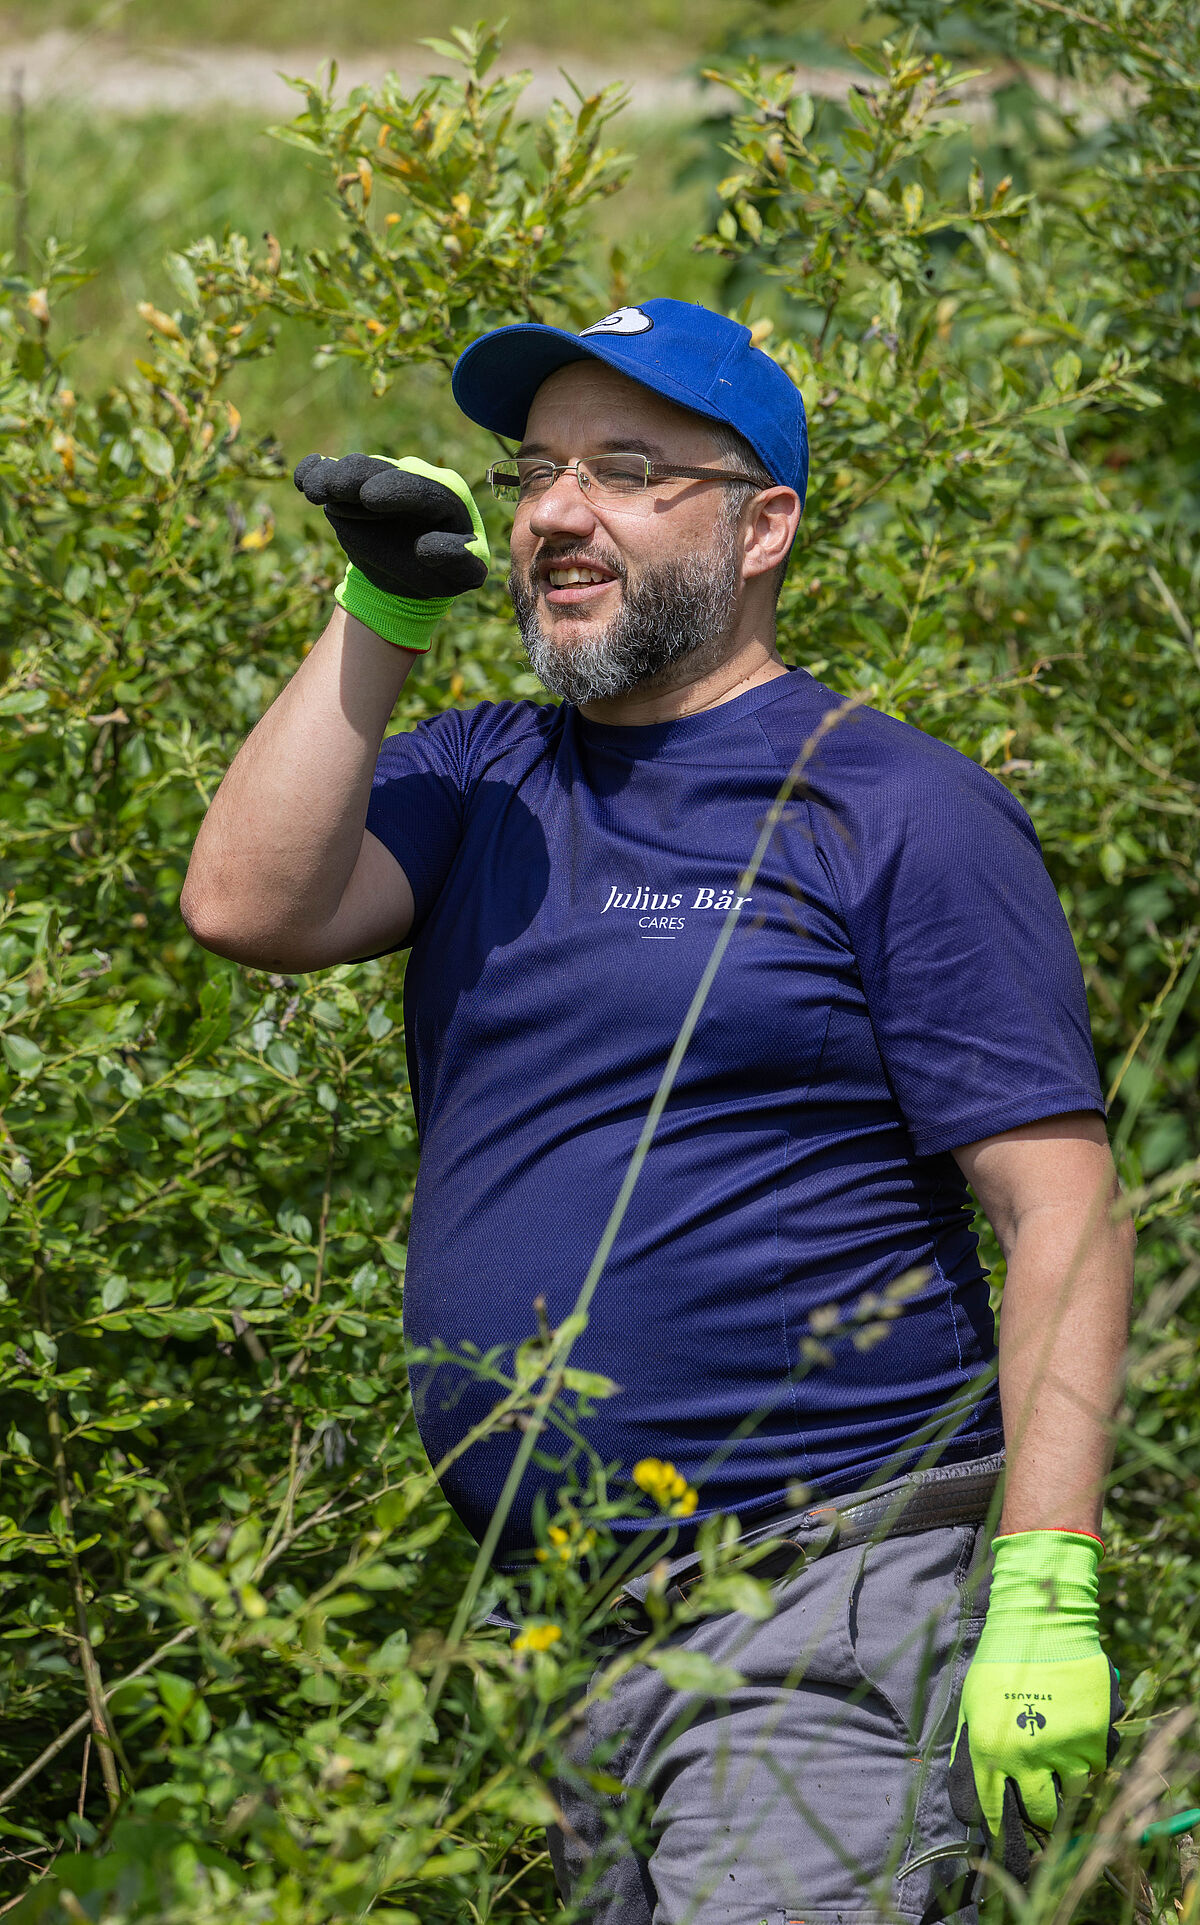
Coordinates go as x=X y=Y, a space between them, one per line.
x=688 y=354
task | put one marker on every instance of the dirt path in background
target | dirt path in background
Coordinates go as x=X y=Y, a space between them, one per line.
x=112 y=76
x=128 y=79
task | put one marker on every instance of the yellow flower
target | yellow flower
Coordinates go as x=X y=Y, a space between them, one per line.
x=537 y=1637
x=256 y=538
x=567 y=1543
x=668 y=1487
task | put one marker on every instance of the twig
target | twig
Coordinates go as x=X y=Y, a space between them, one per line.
x=1176 y=613
x=83 y=1778
x=82 y=1722
x=41 y=1872
x=323 y=1224
x=297 y=1363
x=1098 y=26
x=1139 y=1038
x=1172 y=1011
x=298 y=1467
x=1135 y=755
x=93 y=1682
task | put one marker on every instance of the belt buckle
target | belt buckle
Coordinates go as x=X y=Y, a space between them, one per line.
x=825 y=1522
x=624 y=1602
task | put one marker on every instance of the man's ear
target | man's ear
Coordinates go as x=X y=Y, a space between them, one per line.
x=773 y=517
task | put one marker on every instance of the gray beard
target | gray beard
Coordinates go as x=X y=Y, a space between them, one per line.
x=679 y=611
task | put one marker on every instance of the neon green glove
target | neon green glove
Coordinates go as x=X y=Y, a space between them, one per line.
x=1040 y=1699
x=411 y=532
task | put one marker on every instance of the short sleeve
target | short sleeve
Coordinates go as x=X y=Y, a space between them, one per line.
x=417 y=799
x=973 y=986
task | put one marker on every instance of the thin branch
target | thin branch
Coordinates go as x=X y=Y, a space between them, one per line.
x=81 y=1723
x=1140 y=1036
x=323 y=1225
x=93 y=1682
x=1098 y=26
x=83 y=1778
x=1143 y=761
x=1176 y=613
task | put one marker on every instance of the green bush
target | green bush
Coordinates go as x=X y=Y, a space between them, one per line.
x=218 y=1526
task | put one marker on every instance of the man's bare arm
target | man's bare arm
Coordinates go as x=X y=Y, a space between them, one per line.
x=1048 y=1190
x=283 y=874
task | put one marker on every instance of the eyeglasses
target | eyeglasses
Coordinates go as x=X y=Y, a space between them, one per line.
x=607 y=476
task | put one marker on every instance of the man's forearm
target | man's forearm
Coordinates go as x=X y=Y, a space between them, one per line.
x=1063 y=1329
x=280 y=842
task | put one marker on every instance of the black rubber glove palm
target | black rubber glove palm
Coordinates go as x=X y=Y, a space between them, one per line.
x=408 y=531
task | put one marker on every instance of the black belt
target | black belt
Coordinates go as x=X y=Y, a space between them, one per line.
x=926 y=1500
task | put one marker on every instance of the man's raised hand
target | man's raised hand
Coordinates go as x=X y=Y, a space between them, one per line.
x=411 y=533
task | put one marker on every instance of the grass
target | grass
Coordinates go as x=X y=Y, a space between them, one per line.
x=668 y=31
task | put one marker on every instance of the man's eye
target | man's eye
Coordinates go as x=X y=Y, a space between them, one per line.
x=618 y=472
x=537 y=476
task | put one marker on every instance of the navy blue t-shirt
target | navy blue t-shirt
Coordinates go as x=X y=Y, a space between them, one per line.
x=901 y=981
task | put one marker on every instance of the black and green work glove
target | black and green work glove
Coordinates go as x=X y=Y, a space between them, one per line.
x=412 y=535
x=1040 y=1698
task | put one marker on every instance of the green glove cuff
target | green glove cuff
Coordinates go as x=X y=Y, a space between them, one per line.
x=1043 y=1605
x=397 y=618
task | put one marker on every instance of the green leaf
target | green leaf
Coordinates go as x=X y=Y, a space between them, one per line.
x=691 y=1671
x=205 y=1084
x=156 y=451
x=178 y=1694
x=21 y=1053
x=319 y=1688
x=456 y=1863
x=380 y=1577
x=294 y=1223
x=213 y=1024
x=344 y=1604
x=736 y=1591
x=77 y=581
x=23 y=701
x=206 y=1582
x=1067 y=370
x=589 y=1383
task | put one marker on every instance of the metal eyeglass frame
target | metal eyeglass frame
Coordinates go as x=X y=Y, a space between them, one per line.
x=653 y=471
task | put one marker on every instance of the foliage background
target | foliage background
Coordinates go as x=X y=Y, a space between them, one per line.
x=214 y=1505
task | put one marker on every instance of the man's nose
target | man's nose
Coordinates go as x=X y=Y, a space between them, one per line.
x=564 y=509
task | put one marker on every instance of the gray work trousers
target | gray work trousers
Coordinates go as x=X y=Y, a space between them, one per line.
x=800 y=1796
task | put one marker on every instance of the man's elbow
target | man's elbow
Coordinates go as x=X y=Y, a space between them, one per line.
x=205 y=917
x=217 y=926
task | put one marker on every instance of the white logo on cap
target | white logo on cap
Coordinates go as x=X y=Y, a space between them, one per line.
x=622 y=320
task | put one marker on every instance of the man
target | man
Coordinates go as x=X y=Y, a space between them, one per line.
x=899 y=1013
